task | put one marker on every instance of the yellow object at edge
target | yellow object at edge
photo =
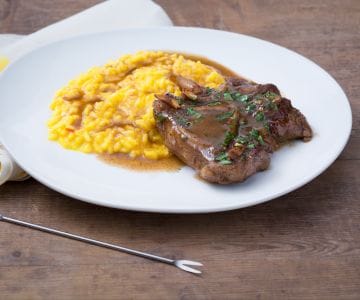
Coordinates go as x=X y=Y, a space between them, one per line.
x=4 y=61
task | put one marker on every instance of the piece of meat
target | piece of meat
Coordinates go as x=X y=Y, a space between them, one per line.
x=285 y=122
x=227 y=134
x=199 y=146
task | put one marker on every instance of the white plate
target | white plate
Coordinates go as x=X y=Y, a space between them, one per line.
x=28 y=85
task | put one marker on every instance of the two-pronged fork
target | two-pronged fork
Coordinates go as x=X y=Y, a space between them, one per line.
x=182 y=264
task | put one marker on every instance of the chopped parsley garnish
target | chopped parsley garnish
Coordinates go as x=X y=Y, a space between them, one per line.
x=251 y=140
x=254 y=133
x=270 y=95
x=194 y=113
x=241 y=139
x=250 y=107
x=240 y=97
x=214 y=103
x=223 y=159
x=225 y=115
x=260 y=116
x=261 y=140
x=267 y=126
x=227 y=96
x=225 y=162
x=221 y=156
x=229 y=136
x=191 y=111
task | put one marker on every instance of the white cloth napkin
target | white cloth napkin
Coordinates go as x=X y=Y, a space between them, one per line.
x=106 y=16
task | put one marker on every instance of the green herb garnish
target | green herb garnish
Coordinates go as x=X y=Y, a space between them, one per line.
x=239 y=97
x=214 y=103
x=260 y=116
x=229 y=136
x=270 y=95
x=254 y=133
x=225 y=162
x=261 y=140
x=267 y=126
x=223 y=159
x=241 y=139
x=225 y=115
x=251 y=146
x=250 y=107
x=227 y=96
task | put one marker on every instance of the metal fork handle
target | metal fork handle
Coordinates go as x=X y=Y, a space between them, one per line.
x=87 y=240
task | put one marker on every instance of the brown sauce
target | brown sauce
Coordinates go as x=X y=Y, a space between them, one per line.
x=220 y=68
x=171 y=164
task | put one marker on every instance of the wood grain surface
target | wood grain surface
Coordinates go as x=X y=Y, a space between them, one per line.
x=305 y=245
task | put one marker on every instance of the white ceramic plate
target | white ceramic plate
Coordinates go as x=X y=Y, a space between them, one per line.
x=28 y=85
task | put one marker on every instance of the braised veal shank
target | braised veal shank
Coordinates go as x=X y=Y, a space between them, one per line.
x=227 y=134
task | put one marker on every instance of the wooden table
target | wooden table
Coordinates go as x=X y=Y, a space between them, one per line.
x=304 y=245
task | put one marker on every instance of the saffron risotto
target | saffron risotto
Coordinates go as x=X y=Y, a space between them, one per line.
x=109 y=109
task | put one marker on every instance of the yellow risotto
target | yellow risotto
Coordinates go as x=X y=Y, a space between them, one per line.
x=109 y=110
